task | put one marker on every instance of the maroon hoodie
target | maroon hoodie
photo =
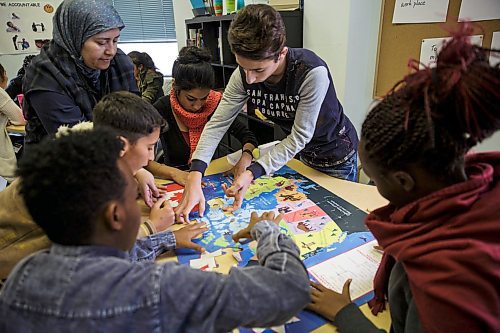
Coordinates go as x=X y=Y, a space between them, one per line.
x=449 y=245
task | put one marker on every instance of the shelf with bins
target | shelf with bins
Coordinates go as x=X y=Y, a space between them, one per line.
x=210 y=32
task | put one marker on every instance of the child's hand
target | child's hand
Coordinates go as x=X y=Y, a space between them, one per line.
x=192 y=195
x=162 y=215
x=238 y=190
x=184 y=236
x=241 y=166
x=327 y=302
x=147 y=186
x=254 y=219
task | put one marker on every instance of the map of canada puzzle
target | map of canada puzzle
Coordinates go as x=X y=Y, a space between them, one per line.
x=314 y=217
x=323 y=225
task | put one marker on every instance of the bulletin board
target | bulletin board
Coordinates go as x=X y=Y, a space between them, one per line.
x=400 y=42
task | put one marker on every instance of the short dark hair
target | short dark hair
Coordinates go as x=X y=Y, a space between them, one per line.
x=67 y=182
x=142 y=58
x=192 y=69
x=128 y=114
x=435 y=115
x=257 y=32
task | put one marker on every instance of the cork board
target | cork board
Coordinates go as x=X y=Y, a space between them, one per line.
x=400 y=42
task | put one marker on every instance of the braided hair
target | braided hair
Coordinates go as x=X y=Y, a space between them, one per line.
x=435 y=115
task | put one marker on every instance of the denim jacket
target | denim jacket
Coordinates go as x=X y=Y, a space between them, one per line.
x=101 y=289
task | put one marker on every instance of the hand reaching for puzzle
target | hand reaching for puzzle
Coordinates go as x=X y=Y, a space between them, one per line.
x=254 y=219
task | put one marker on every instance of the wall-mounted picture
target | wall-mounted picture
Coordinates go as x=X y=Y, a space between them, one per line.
x=25 y=28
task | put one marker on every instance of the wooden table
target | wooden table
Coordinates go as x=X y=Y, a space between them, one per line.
x=365 y=197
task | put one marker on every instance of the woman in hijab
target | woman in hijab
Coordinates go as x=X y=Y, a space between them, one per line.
x=76 y=69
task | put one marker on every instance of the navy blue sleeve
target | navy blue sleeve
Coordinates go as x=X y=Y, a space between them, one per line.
x=55 y=109
x=198 y=165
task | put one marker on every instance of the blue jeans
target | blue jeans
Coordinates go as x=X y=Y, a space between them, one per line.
x=347 y=170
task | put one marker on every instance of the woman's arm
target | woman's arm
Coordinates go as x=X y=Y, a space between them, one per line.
x=55 y=109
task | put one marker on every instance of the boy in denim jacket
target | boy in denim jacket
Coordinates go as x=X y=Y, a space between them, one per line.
x=87 y=281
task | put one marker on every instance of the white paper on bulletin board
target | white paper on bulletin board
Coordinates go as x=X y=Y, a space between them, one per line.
x=431 y=46
x=479 y=10
x=495 y=44
x=25 y=26
x=420 y=11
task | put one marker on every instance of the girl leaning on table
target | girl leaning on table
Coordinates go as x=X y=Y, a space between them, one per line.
x=441 y=266
x=9 y=112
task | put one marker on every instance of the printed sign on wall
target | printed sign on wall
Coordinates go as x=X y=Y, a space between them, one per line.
x=432 y=46
x=479 y=10
x=25 y=26
x=420 y=11
x=495 y=44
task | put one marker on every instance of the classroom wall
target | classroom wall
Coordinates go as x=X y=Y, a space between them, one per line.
x=345 y=34
x=182 y=11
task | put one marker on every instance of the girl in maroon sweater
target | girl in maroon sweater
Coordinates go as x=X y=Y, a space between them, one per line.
x=441 y=266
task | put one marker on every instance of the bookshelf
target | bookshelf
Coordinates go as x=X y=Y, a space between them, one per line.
x=211 y=32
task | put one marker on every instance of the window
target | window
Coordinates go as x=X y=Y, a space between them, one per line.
x=146 y=20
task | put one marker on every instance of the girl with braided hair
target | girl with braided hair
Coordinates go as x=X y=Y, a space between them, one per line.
x=440 y=232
